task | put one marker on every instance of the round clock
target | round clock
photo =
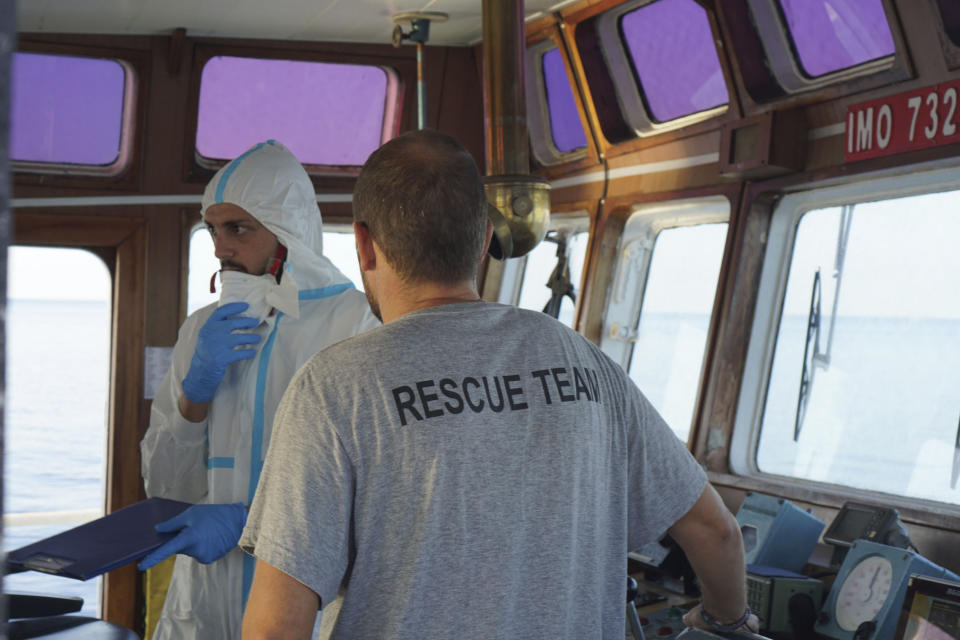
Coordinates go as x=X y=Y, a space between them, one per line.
x=864 y=591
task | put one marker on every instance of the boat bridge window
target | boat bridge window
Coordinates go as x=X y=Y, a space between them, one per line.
x=674 y=58
x=67 y=114
x=58 y=364
x=556 y=131
x=565 y=125
x=658 y=314
x=329 y=115
x=338 y=246
x=812 y=43
x=859 y=306
x=829 y=35
x=662 y=61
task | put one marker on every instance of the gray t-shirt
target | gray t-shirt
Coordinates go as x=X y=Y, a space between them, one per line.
x=470 y=471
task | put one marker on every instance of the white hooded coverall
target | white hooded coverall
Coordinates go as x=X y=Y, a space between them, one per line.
x=218 y=461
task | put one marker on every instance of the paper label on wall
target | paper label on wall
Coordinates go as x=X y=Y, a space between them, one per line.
x=156 y=363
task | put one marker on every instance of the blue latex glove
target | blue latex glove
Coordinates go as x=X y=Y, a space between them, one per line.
x=207 y=533
x=215 y=350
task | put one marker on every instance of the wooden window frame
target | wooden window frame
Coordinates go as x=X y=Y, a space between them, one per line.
x=122 y=243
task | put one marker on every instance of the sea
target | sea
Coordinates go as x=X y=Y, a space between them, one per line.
x=895 y=434
x=57 y=375
x=883 y=406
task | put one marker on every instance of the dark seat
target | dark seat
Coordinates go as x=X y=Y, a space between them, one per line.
x=22 y=604
x=67 y=628
x=41 y=616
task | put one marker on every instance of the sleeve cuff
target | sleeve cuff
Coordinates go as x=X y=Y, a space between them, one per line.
x=185 y=431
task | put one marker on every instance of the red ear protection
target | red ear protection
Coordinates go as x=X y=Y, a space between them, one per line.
x=275 y=264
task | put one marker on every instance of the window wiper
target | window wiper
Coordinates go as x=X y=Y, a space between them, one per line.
x=559 y=281
x=955 y=472
x=813 y=339
x=843 y=235
x=813 y=358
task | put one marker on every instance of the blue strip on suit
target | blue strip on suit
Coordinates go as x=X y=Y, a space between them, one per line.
x=256 y=445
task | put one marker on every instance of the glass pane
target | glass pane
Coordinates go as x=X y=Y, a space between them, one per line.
x=338 y=246
x=835 y=34
x=674 y=320
x=565 y=125
x=58 y=347
x=341 y=248
x=202 y=267
x=882 y=401
x=540 y=263
x=674 y=57
x=950 y=16
x=326 y=114
x=65 y=109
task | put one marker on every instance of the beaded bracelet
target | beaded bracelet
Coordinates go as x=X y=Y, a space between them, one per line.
x=716 y=625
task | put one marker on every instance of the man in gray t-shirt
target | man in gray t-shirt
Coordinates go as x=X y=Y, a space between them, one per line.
x=467 y=470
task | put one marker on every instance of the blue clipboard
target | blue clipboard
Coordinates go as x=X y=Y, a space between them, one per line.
x=84 y=552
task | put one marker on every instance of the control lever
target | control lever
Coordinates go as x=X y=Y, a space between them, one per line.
x=635 y=626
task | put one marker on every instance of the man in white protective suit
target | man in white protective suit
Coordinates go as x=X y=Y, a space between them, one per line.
x=211 y=420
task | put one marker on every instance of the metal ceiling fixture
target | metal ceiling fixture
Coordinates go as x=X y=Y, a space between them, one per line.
x=419 y=22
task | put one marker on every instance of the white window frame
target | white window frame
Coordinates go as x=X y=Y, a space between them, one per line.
x=778 y=45
x=626 y=86
x=773 y=283
x=637 y=242
x=124 y=155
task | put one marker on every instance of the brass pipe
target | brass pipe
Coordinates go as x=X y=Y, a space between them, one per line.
x=504 y=98
x=519 y=202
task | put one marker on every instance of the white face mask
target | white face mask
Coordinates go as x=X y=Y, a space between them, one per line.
x=237 y=286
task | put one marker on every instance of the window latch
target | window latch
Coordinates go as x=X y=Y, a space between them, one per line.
x=622 y=333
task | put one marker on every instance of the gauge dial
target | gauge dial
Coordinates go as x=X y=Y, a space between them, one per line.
x=863 y=592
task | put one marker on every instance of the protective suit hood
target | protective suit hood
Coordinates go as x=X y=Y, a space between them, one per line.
x=268 y=182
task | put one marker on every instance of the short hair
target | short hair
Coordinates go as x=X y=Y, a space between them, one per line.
x=422 y=198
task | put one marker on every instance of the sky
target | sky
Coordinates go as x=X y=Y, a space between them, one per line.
x=39 y=273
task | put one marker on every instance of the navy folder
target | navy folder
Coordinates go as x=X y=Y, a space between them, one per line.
x=102 y=545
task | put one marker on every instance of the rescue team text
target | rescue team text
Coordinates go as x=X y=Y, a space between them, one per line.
x=433 y=398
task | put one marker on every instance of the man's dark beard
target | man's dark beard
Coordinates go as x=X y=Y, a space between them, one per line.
x=232 y=266
x=374 y=305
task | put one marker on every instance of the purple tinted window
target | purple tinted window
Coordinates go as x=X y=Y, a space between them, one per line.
x=565 y=122
x=66 y=109
x=675 y=59
x=836 y=34
x=326 y=114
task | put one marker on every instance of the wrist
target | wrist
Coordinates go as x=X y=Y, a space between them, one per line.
x=192 y=411
x=196 y=391
x=722 y=626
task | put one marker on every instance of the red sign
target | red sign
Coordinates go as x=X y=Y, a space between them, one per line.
x=914 y=120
